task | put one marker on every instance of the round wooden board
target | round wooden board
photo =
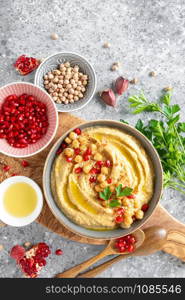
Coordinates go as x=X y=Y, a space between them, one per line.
x=47 y=219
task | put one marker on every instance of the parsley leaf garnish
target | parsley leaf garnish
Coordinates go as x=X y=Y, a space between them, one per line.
x=106 y=194
x=114 y=203
x=120 y=192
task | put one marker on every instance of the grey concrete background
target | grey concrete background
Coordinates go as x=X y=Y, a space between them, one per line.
x=144 y=36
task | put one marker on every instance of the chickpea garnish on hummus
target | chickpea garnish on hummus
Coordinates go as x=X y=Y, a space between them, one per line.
x=102 y=178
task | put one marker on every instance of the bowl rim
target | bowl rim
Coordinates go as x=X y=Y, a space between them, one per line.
x=80 y=56
x=56 y=115
x=58 y=142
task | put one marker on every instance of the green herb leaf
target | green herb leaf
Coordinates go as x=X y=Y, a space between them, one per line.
x=106 y=194
x=114 y=203
x=120 y=192
x=166 y=98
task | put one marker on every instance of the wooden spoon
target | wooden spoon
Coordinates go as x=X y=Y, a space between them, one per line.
x=155 y=239
x=109 y=250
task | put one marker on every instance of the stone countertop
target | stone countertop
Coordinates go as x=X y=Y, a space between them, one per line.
x=145 y=36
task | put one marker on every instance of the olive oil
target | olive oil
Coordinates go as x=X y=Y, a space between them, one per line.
x=20 y=199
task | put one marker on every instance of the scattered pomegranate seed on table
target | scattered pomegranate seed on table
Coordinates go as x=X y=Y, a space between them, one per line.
x=58 y=252
x=23 y=120
x=6 y=168
x=25 y=65
x=25 y=163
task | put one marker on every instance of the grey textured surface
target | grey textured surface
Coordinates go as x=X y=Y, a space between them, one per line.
x=144 y=36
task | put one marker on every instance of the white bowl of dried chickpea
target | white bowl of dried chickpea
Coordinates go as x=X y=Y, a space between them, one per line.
x=69 y=79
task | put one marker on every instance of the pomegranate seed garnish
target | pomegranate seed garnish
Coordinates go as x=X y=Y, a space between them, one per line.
x=69 y=159
x=132 y=240
x=77 y=131
x=25 y=163
x=99 y=163
x=92 y=179
x=119 y=219
x=88 y=151
x=24 y=65
x=130 y=248
x=145 y=207
x=6 y=168
x=109 y=180
x=120 y=211
x=107 y=163
x=86 y=157
x=131 y=196
x=58 y=252
x=77 y=151
x=95 y=171
x=14 y=174
x=78 y=170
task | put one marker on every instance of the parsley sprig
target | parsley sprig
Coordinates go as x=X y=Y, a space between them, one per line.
x=106 y=194
x=167 y=136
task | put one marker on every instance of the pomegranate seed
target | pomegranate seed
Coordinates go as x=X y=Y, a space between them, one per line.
x=6 y=168
x=25 y=163
x=95 y=171
x=122 y=244
x=145 y=207
x=78 y=170
x=120 y=211
x=92 y=179
x=119 y=219
x=122 y=249
x=132 y=240
x=107 y=163
x=77 y=151
x=86 y=157
x=109 y=180
x=14 y=174
x=130 y=248
x=131 y=196
x=69 y=159
x=99 y=163
x=88 y=151
x=77 y=131
x=59 y=151
x=58 y=252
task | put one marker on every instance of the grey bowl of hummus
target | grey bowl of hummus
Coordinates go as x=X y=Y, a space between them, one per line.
x=103 y=179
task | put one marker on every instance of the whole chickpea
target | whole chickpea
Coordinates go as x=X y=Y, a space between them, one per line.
x=63 y=99
x=58 y=101
x=66 y=81
x=139 y=214
x=80 y=95
x=76 y=93
x=67 y=77
x=98 y=156
x=104 y=170
x=69 y=152
x=76 y=98
x=70 y=96
x=75 y=77
x=83 y=89
x=83 y=147
x=79 y=83
x=51 y=90
x=55 y=98
x=71 y=101
x=73 y=135
x=66 y=102
x=46 y=81
x=50 y=76
x=86 y=168
x=61 y=81
x=63 y=73
x=75 y=144
x=60 y=86
x=78 y=88
x=97 y=188
x=76 y=69
x=67 y=64
x=45 y=77
x=65 y=94
x=63 y=69
x=103 y=185
x=101 y=178
x=83 y=140
x=61 y=66
x=71 y=91
x=78 y=158
x=72 y=81
x=84 y=82
x=74 y=86
x=93 y=148
x=68 y=86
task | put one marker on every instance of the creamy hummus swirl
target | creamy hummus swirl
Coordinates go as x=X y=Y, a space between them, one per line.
x=130 y=166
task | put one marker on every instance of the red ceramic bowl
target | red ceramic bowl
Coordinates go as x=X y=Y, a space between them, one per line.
x=19 y=88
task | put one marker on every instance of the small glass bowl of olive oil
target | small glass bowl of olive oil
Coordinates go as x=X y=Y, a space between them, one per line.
x=21 y=201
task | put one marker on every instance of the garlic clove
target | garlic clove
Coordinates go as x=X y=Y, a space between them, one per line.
x=121 y=85
x=108 y=97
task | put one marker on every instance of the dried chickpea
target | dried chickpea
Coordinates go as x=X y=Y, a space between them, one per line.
x=83 y=89
x=80 y=95
x=46 y=77
x=69 y=152
x=55 y=98
x=75 y=144
x=66 y=81
x=63 y=99
x=67 y=64
x=61 y=66
x=97 y=156
x=65 y=94
x=76 y=93
x=72 y=81
x=71 y=101
x=139 y=214
x=71 y=91
x=76 y=69
x=84 y=82
x=76 y=98
x=79 y=88
x=74 y=86
x=66 y=102
x=68 y=86
x=136 y=203
x=78 y=158
x=46 y=82
x=50 y=76
x=68 y=140
x=70 y=96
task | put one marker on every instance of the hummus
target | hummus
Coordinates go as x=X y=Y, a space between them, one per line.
x=102 y=179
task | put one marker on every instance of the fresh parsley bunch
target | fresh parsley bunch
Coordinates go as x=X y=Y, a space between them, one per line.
x=167 y=136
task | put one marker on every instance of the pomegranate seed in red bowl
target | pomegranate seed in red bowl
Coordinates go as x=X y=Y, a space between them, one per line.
x=28 y=119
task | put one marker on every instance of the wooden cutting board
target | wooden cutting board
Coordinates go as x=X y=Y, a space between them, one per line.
x=176 y=236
